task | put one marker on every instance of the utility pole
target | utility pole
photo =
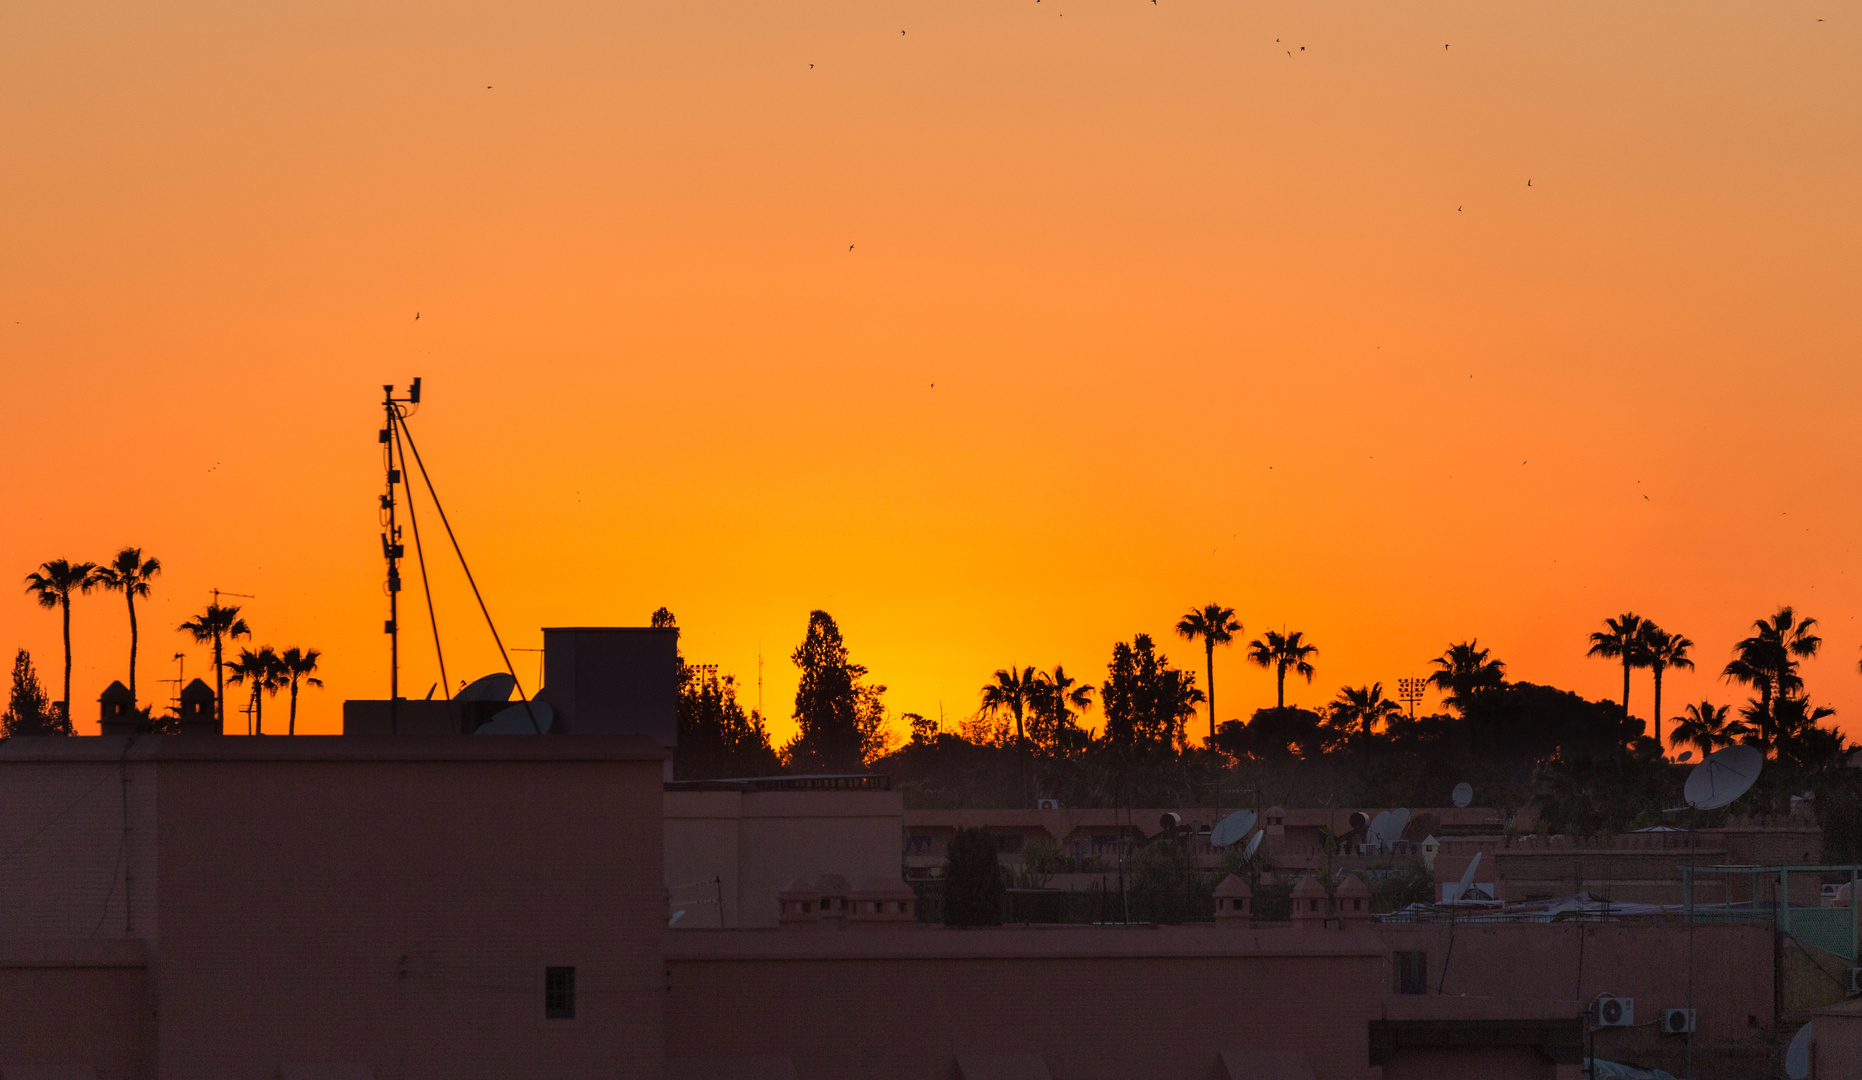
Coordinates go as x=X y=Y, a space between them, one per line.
x=391 y=547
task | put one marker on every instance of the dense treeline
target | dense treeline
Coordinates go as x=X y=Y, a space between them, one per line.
x=1584 y=766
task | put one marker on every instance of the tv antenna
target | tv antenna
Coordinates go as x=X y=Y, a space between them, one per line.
x=391 y=548
x=1463 y=795
x=1411 y=692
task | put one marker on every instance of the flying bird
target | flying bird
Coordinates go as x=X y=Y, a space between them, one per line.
x=1457 y=209
x=1528 y=183
x=849 y=247
x=416 y=316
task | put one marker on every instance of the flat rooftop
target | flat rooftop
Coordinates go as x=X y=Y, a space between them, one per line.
x=114 y=748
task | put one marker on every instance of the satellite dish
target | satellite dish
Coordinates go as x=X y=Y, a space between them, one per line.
x=516 y=720
x=1232 y=828
x=1359 y=821
x=1393 y=827
x=1797 y=1055
x=1722 y=776
x=1374 y=833
x=1464 y=794
x=1254 y=845
x=1685 y=755
x=494 y=687
x=1467 y=878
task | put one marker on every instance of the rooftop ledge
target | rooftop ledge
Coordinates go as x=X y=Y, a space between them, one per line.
x=113 y=748
x=1016 y=942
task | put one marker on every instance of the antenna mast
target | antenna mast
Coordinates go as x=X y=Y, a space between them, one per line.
x=391 y=547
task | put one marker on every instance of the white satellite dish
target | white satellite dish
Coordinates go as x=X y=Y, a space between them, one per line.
x=494 y=687
x=1797 y=1055
x=1464 y=794
x=1685 y=755
x=516 y=720
x=1374 y=832
x=1254 y=845
x=1722 y=776
x=1394 y=826
x=1467 y=878
x=1232 y=828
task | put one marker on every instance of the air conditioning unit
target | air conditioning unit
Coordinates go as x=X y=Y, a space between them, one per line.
x=1677 y=1021
x=1047 y=804
x=1855 y=980
x=1616 y=1012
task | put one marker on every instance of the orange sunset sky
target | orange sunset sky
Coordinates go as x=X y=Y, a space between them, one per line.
x=1000 y=330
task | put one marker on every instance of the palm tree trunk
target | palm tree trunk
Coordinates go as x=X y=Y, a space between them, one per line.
x=1280 y=685
x=292 y=730
x=219 y=682
x=258 y=717
x=129 y=594
x=1658 y=705
x=1625 y=682
x=66 y=601
x=1209 y=651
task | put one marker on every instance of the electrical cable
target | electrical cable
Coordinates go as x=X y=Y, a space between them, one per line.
x=441 y=510
x=420 y=555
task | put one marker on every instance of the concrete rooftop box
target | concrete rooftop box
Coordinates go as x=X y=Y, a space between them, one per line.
x=613 y=680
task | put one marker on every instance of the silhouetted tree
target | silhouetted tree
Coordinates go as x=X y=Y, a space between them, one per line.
x=923 y=729
x=1053 y=706
x=29 y=711
x=299 y=665
x=262 y=672
x=662 y=618
x=52 y=585
x=1363 y=708
x=217 y=624
x=1146 y=701
x=1464 y=671
x=1283 y=652
x=717 y=737
x=1705 y=727
x=1767 y=662
x=1662 y=650
x=1010 y=690
x=1215 y=625
x=1621 y=639
x=972 y=880
x=828 y=712
x=129 y=573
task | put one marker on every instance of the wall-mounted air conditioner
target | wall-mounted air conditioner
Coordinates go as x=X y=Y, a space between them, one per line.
x=1677 y=1021
x=1616 y=1012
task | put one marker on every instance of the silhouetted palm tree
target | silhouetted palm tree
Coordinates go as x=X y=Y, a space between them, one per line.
x=1705 y=727
x=129 y=573
x=1280 y=652
x=217 y=624
x=299 y=664
x=1662 y=650
x=1465 y=670
x=263 y=672
x=1055 y=699
x=1216 y=625
x=1767 y=662
x=1621 y=639
x=1013 y=689
x=52 y=585
x=1365 y=707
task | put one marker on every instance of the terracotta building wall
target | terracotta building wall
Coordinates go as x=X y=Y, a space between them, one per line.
x=1093 y=1004
x=1539 y=961
x=759 y=841
x=401 y=914
x=73 y=1003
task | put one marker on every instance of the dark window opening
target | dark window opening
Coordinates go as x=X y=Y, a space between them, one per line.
x=1008 y=843
x=559 y=993
x=1412 y=971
